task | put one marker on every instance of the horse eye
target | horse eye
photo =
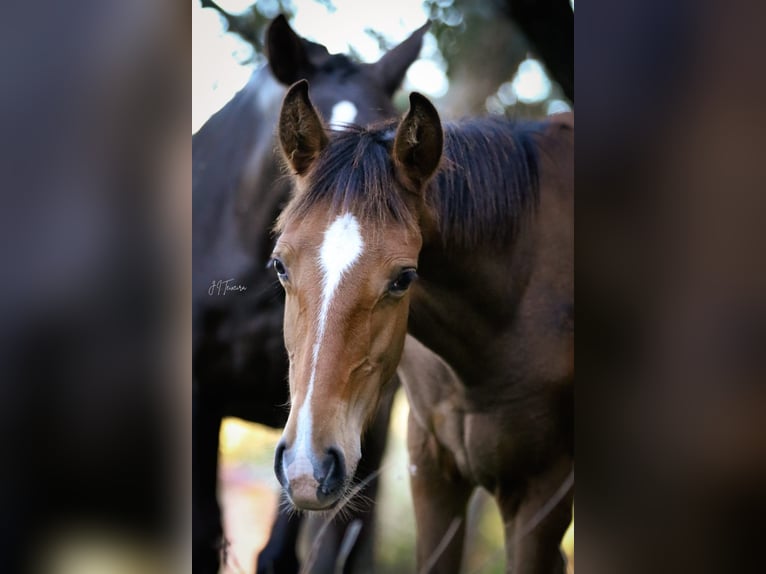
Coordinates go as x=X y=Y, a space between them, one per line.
x=280 y=268
x=402 y=283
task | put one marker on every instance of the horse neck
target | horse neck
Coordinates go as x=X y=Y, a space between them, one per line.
x=464 y=301
x=236 y=183
x=497 y=308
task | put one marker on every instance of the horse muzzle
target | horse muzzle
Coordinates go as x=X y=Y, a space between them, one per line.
x=311 y=482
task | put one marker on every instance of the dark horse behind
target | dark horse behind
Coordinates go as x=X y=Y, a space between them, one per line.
x=239 y=361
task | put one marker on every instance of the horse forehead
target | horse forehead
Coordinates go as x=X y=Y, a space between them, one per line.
x=369 y=102
x=342 y=244
x=347 y=257
x=315 y=238
x=344 y=112
x=350 y=106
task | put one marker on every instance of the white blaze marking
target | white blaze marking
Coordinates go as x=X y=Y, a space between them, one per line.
x=341 y=247
x=343 y=112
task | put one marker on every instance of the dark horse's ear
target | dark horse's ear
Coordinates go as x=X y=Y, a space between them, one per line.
x=392 y=66
x=301 y=132
x=419 y=140
x=288 y=57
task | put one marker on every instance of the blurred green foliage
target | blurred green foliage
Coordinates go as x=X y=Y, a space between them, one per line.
x=479 y=47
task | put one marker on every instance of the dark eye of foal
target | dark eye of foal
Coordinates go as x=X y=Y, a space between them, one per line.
x=279 y=267
x=402 y=283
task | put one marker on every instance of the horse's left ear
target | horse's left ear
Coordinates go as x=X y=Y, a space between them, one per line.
x=286 y=52
x=301 y=131
x=392 y=66
x=419 y=141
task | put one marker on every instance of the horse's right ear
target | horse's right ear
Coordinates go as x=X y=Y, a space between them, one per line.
x=301 y=131
x=288 y=58
x=418 y=142
x=392 y=67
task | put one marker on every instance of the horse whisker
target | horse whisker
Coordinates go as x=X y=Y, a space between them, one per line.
x=331 y=514
x=439 y=550
x=349 y=539
x=549 y=505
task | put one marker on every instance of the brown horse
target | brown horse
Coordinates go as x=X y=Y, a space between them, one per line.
x=239 y=363
x=490 y=235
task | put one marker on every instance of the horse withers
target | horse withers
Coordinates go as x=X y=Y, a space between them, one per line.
x=239 y=362
x=462 y=235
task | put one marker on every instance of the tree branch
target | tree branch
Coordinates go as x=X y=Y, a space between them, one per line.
x=243 y=26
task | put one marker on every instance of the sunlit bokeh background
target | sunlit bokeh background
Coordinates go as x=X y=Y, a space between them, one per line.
x=249 y=495
x=222 y=64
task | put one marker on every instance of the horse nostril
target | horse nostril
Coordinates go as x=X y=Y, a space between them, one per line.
x=333 y=472
x=278 y=466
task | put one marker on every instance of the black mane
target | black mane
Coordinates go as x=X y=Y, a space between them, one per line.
x=487 y=178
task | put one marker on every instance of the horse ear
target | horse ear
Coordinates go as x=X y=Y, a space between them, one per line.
x=418 y=142
x=392 y=66
x=301 y=132
x=288 y=58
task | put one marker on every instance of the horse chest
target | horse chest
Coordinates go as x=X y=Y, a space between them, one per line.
x=495 y=449
x=487 y=448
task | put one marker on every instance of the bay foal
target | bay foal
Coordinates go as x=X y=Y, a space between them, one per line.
x=481 y=213
x=239 y=363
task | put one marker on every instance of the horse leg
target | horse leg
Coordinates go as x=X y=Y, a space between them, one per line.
x=536 y=522
x=440 y=497
x=207 y=532
x=360 y=559
x=279 y=555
